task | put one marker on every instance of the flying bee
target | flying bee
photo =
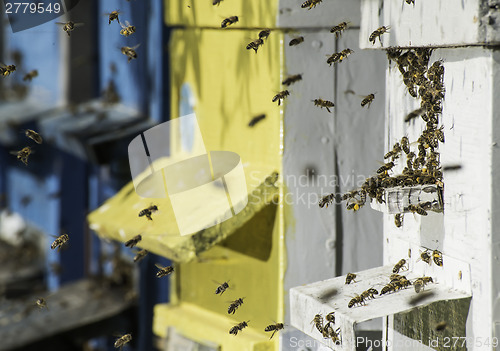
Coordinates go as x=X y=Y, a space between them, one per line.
x=264 y=34
x=310 y=4
x=334 y=58
x=30 y=75
x=339 y=28
x=41 y=303
x=414 y=114
x=221 y=288
x=163 y=271
x=255 y=44
x=30 y=133
x=59 y=242
x=420 y=283
x=437 y=256
x=238 y=327
x=326 y=200
x=121 y=341
x=296 y=41
x=130 y=52
x=399 y=266
x=6 y=70
x=229 y=21
x=69 y=26
x=234 y=305
x=132 y=242
x=140 y=255
x=323 y=103
x=394 y=153
x=377 y=33
x=398 y=220
x=148 y=211
x=274 y=328
x=416 y=208
x=358 y=300
x=350 y=278
x=386 y=167
x=292 y=79
x=127 y=29
x=113 y=15
x=256 y=120
x=216 y=2
x=409 y=2
x=280 y=96
x=368 y=100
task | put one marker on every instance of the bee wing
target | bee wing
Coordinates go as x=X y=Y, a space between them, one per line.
x=135 y=47
x=159 y=267
x=60 y=23
x=79 y=24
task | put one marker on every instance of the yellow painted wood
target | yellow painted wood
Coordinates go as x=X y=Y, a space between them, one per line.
x=201 y=13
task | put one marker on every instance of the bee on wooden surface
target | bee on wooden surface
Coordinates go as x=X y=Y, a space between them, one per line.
x=113 y=15
x=59 y=242
x=326 y=200
x=357 y=300
x=416 y=209
x=324 y=103
x=401 y=283
x=291 y=79
x=280 y=96
x=386 y=167
x=134 y=241
x=69 y=26
x=424 y=256
x=369 y=294
x=30 y=75
x=377 y=33
x=140 y=255
x=318 y=322
x=405 y=145
x=330 y=317
x=437 y=256
x=398 y=220
x=274 y=328
x=229 y=21
x=234 y=305
x=255 y=44
x=222 y=288
x=216 y=2
x=399 y=266
x=339 y=28
x=309 y=4
x=127 y=29
x=387 y=289
x=256 y=120
x=148 y=211
x=420 y=283
x=412 y=92
x=238 y=327
x=414 y=114
x=264 y=34
x=130 y=52
x=335 y=336
x=30 y=133
x=393 y=54
x=368 y=100
x=350 y=278
x=163 y=271
x=6 y=70
x=121 y=341
x=296 y=41
x=440 y=134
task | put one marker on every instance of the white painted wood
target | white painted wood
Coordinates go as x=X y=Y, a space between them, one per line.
x=397 y=199
x=431 y=23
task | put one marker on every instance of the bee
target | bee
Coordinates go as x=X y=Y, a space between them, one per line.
x=30 y=75
x=339 y=28
x=368 y=100
x=394 y=153
x=256 y=120
x=255 y=44
x=440 y=134
x=264 y=34
x=335 y=335
x=405 y=145
x=388 y=288
x=130 y=52
x=113 y=15
x=370 y=293
x=228 y=21
x=221 y=288
x=238 y=327
x=358 y=300
x=132 y=242
x=420 y=283
x=121 y=341
x=399 y=265
x=393 y=54
x=296 y=41
x=292 y=79
x=41 y=303
x=30 y=133
x=274 y=328
x=148 y=211
x=69 y=26
x=334 y=58
x=326 y=200
x=163 y=271
x=414 y=114
x=280 y=96
x=441 y=326
x=59 y=242
x=330 y=317
x=437 y=256
x=234 y=305
x=460 y=275
x=424 y=256
x=350 y=278
x=216 y=2
x=127 y=29
x=6 y=70
x=310 y=4
x=398 y=220
x=386 y=167
x=377 y=33
x=323 y=103
x=140 y=255
x=416 y=208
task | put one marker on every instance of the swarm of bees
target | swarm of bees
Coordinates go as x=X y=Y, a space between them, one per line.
x=377 y=33
x=148 y=212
